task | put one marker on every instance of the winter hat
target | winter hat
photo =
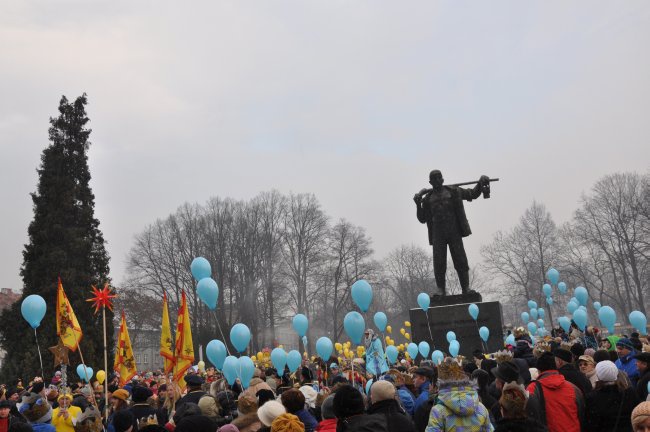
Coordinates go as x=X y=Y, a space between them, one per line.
x=563 y=354
x=513 y=400
x=246 y=404
x=424 y=372
x=382 y=390
x=228 y=428
x=327 y=408
x=209 y=406
x=507 y=371
x=546 y=362
x=310 y=395
x=38 y=387
x=141 y=394
x=601 y=355
x=347 y=402
x=35 y=408
x=640 y=414
x=269 y=411
x=606 y=371
x=6 y=404
x=287 y=423
x=264 y=396
x=577 y=349
x=590 y=352
x=122 y=420
x=195 y=423
x=625 y=343
x=121 y=394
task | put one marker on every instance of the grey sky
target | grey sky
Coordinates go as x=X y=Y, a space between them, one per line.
x=354 y=101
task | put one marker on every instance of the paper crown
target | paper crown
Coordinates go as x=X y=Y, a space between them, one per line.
x=520 y=331
x=89 y=421
x=502 y=356
x=450 y=370
x=541 y=348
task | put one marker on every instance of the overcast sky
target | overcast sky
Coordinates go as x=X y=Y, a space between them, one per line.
x=355 y=101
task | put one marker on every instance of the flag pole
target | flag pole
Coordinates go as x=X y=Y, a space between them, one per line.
x=105 y=365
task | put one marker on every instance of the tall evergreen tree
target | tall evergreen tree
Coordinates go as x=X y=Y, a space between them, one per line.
x=64 y=241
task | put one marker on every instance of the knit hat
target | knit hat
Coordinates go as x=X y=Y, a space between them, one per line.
x=310 y=395
x=327 y=408
x=6 y=404
x=209 y=406
x=563 y=354
x=347 y=402
x=269 y=411
x=640 y=414
x=590 y=352
x=228 y=428
x=287 y=423
x=546 y=362
x=38 y=387
x=141 y=394
x=264 y=396
x=606 y=371
x=625 y=343
x=121 y=394
x=577 y=349
x=122 y=420
x=382 y=390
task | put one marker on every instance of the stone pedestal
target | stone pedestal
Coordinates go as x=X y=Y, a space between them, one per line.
x=451 y=313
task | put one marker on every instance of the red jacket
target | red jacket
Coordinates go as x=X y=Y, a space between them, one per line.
x=327 y=425
x=563 y=401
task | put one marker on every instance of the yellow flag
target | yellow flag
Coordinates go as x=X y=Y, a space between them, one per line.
x=166 y=350
x=124 y=361
x=184 y=350
x=67 y=326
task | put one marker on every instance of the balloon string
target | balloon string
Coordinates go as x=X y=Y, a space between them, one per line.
x=429 y=325
x=483 y=344
x=39 y=354
x=225 y=342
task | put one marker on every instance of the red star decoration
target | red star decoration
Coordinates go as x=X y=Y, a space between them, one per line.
x=102 y=298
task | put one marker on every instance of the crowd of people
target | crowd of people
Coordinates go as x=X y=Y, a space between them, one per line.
x=566 y=382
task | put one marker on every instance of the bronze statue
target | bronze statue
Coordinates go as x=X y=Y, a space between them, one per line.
x=441 y=208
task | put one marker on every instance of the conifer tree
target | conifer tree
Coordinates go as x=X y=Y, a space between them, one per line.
x=64 y=241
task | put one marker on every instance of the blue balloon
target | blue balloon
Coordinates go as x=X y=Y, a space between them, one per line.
x=294 y=360
x=553 y=275
x=473 y=311
x=532 y=304
x=547 y=290
x=451 y=336
x=216 y=352
x=510 y=340
x=575 y=300
x=380 y=321
x=208 y=292
x=279 y=359
x=597 y=306
x=533 y=314
x=525 y=317
x=412 y=349
x=200 y=268
x=565 y=323
x=424 y=348
x=86 y=375
x=532 y=328
x=484 y=332
x=549 y=301
x=246 y=371
x=324 y=348
x=541 y=313
x=607 y=316
x=580 y=318
x=240 y=336
x=437 y=357
x=362 y=294
x=354 y=326
x=391 y=353
x=454 y=347
x=561 y=287
x=581 y=294
x=540 y=323
x=368 y=385
x=571 y=307
x=300 y=324
x=639 y=321
x=33 y=309
x=230 y=367
x=423 y=301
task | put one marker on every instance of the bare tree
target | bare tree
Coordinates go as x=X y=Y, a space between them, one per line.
x=409 y=272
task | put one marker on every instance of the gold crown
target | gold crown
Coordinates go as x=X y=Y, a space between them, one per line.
x=520 y=331
x=451 y=370
x=540 y=348
x=502 y=356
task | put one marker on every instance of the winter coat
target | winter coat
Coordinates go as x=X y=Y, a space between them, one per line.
x=606 y=404
x=574 y=376
x=523 y=350
x=458 y=409
x=193 y=396
x=421 y=416
x=561 y=401
x=407 y=399
x=533 y=411
x=62 y=424
x=328 y=425
x=307 y=419
x=396 y=418
x=642 y=386
x=423 y=395
x=42 y=427
x=143 y=410
x=628 y=365
x=362 y=423
x=517 y=425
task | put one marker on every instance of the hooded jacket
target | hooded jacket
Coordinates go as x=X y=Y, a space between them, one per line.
x=459 y=409
x=561 y=401
x=628 y=365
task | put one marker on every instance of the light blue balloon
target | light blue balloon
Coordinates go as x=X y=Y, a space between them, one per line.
x=541 y=313
x=354 y=326
x=473 y=311
x=549 y=301
x=437 y=357
x=454 y=347
x=553 y=275
x=648 y=386
x=571 y=307
x=607 y=316
x=424 y=348
x=381 y=320
x=304 y=340
x=216 y=353
x=484 y=332
x=87 y=375
x=279 y=359
x=208 y=292
x=510 y=340
x=575 y=300
x=294 y=360
x=200 y=268
x=639 y=321
x=581 y=294
x=561 y=287
x=412 y=349
x=565 y=323
x=532 y=339
x=240 y=336
x=300 y=324
x=597 y=306
x=540 y=323
x=230 y=369
x=423 y=301
x=532 y=328
x=533 y=314
x=246 y=371
x=547 y=290
x=580 y=318
x=451 y=336
x=392 y=353
x=362 y=294
x=368 y=385
x=525 y=317
x=33 y=309
x=324 y=348
x=532 y=304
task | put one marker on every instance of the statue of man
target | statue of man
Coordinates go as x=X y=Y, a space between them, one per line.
x=441 y=208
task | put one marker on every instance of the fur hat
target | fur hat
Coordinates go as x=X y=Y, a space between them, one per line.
x=89 y=421
x=269 y=411
x=35 y=408
x=450 y=372
x=513 y=400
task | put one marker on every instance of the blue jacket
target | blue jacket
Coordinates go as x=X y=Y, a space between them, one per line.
x=628 y=365
x=408 y=402
x=375 y=358
x=423 y=397
x=43 y=427
x=307 y=419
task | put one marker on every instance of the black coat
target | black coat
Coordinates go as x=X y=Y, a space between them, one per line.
x=362 y=423
x=517 y=425
x=143 y=410
x=642 y=386
x=193 y=396
x=396 y=418
x=605 y=404
x=421 y=416
x=575 y=377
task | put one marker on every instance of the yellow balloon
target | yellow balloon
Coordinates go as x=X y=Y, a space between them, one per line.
x=407 y=336
x=407 y=323
x=407 y=355
x=101 y=376
x=389 y=329
x=338 y=346
x=387 y=339
x=391 y=342
x=254 y=358
x=402 y=331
